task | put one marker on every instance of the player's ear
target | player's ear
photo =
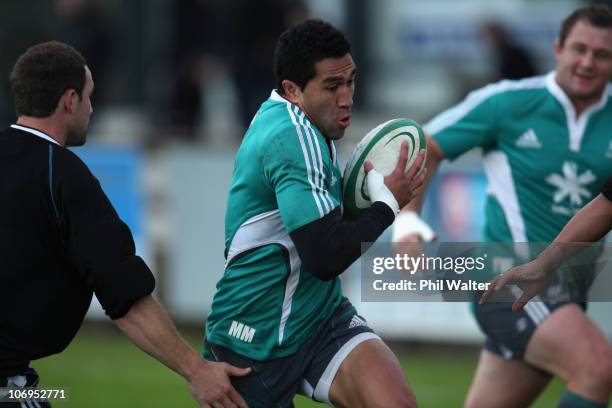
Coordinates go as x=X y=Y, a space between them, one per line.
x=292 y=91
x=68 y=100
x=557 y=48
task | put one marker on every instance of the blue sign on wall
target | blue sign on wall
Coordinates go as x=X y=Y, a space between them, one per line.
x=119 y=171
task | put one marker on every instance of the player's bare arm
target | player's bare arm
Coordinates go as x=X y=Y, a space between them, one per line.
x=150 y=328
x=590 y=224
x=408 y=226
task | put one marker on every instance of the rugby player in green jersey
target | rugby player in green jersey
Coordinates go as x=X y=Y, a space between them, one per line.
x=279 y=306
x=547 y=151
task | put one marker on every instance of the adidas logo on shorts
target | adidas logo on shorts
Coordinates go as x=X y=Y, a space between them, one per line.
x=357 y=321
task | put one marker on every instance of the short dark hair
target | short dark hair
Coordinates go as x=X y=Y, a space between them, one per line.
x=299 y=48
x=42 y=74
x=598 y=15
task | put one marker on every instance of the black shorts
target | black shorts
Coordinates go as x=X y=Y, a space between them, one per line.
x=507 y=332
x=274 y=383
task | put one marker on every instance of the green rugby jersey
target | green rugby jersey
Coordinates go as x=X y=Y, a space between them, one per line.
x=285 y=176
x=542 y=163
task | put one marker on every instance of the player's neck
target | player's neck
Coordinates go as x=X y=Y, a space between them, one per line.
x=581 y=105
x=50 y=125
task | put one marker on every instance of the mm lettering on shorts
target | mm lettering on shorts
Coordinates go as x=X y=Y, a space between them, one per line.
x=241 y=331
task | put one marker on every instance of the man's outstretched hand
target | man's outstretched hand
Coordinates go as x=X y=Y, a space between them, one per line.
x=531 y=277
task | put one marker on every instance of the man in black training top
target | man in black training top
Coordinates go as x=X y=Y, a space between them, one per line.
x=61 y=240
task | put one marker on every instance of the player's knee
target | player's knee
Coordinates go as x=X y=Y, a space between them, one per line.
x=595 y=369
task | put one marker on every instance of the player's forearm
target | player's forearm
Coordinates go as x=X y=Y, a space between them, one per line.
x=408 y=224
x=328 y=246
x=150 y=328
x=434 y=157
x=589 y=224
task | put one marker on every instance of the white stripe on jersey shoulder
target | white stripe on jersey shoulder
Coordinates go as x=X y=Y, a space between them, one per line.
x=317 y=166
x=309 y=170
x=313 y=169
x=475 y=98
x=314 y=162
x=334 y=152
x=313 y=141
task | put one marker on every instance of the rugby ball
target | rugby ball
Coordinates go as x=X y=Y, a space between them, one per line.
x=382 y=147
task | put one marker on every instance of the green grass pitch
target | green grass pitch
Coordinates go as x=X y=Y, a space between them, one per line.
x=102 y=368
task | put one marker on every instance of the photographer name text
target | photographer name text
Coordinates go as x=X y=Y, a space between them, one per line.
x=438 y=285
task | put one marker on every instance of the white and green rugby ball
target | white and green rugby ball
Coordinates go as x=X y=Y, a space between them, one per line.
x=382 y=147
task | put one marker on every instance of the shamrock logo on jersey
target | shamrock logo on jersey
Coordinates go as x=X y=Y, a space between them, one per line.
x=571 y=184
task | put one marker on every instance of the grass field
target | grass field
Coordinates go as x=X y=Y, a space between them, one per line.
x=101 y=368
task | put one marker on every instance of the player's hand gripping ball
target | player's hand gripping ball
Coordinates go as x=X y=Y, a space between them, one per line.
x=381 y=146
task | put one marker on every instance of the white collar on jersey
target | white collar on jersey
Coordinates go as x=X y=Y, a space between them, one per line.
x=556 y=90
x=36 y=132
x=275 y=96
x=575 y=126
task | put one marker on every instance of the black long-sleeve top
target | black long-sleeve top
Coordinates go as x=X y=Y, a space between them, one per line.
x=60 y=241
x=330 y=245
